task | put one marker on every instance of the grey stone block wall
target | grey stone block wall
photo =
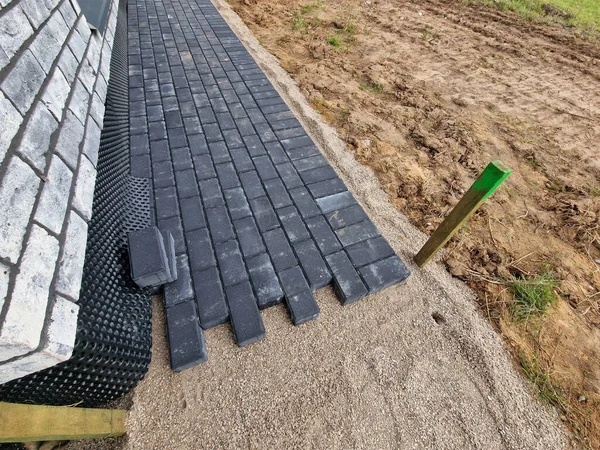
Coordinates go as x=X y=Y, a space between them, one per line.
x=54 y=73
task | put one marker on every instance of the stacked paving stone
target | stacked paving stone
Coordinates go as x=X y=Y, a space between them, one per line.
x=257 y=213
x=53 y=82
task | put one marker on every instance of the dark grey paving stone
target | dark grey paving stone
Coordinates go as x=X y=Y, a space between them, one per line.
x=336 y=201
x=327 y=187
x=200 y=250
x=204 y=168
x=369 y=251
x=159 y=150
x=219 y=224
x=245 y=317
x=252 y=185
x=304 y=202
x=302 y=307
x=317 y=272
x=264 y=280
x=211 y=193
x=192 y=213
x=289 y=175
x=198 y=144
x=249 y=237
x=166 y=203
x=299 y=299
x=307 y=152
x=231 y=263
x=140 y=166
x=182 y=159
x=187 y=347
x=179 y=290
x=347 y=282
x=236 y=203
x=293 y=224
x=265 y=167
x=264 y=214
x=277 y=193
x=341 y=218
x=276 y=152
x=186 y=183
x=227 y=176
x=310 y=163
x=279 y=249
x=148 y=257
x=356 y=233
x=218 y=151
x=384 y=273
x=210 y=298
x=241 y=160
x=254 y=145
x=323 y=235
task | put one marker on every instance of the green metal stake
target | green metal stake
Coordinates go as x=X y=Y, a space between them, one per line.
x=489 y=180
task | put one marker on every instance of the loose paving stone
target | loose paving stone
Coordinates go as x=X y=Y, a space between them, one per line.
x=250 y=201
x=245 y=317
x=384 y=273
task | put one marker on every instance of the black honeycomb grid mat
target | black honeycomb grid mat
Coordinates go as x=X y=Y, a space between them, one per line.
x=257 y=213
x=113 y=341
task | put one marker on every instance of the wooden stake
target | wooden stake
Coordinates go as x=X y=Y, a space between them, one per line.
x=489 y=180
x=32 y=423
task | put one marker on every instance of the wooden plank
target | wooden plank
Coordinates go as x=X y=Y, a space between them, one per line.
x=489 y=180
x=27 y=423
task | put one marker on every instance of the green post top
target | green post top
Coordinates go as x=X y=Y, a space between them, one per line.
x=491 y=177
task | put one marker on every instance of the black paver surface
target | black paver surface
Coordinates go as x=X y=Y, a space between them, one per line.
x=257 y=213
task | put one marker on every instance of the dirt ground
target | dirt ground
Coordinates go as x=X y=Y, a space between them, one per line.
x=425 y=94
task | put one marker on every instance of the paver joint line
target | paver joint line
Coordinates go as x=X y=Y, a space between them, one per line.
x=256 y=212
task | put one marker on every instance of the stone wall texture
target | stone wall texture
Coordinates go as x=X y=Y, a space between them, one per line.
x=53 y=80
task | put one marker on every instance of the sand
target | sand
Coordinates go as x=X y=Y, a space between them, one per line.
x=414 y=366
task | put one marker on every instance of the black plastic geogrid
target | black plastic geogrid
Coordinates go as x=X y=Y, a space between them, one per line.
x=113 y=341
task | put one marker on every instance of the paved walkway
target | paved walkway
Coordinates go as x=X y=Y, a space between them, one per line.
x=257 y=213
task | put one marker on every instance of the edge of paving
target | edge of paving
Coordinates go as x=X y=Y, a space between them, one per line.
x=448 y=296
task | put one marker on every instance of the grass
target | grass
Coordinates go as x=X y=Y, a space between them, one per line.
x=371 y=86
x=310 y=7
x=581 y=13
x=541 y=379
x=334 y=41
x=532 y=297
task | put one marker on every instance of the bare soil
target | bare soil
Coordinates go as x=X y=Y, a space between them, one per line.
x=426 y=94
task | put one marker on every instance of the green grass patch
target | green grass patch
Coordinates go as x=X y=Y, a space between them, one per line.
x=541 y=379
x=334 y=41
x=371 y=86
x=580 y=13
x=532 y=297
x=310 y=7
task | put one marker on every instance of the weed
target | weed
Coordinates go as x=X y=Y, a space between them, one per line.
x=541 y=379
x=299 y=24
x=371 y=86
x=532 y=297
x=344 y=115
x=334 y=41
x=307 y=9
x=426 y=36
